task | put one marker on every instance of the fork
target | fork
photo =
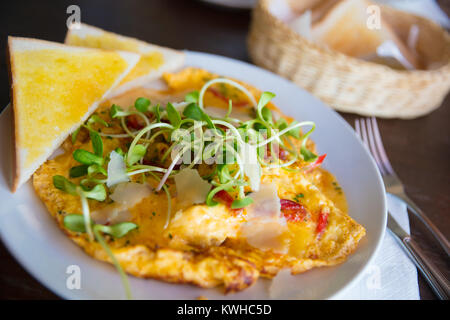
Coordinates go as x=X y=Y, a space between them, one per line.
x=370 y=134
x=367 y=130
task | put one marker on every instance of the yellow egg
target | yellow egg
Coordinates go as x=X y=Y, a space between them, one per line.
x=204 y=245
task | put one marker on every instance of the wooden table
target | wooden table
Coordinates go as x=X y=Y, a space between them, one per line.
x=418 y=149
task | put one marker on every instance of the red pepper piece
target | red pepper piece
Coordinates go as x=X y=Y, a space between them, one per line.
x=283 y=154
x=292 y=210
x=224 y=197
x=322 y=222
x=316 y=163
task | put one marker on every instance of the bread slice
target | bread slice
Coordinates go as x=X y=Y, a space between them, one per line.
x=155 y=60
x=318 y=7
x=54 y=89
x=344 y=29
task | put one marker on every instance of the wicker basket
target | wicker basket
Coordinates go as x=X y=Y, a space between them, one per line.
x=349 y=84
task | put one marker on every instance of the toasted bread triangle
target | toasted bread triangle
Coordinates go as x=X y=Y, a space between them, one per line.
x=55 y=88
x=155 y=60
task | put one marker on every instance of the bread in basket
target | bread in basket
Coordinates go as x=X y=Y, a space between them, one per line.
x=349 y=84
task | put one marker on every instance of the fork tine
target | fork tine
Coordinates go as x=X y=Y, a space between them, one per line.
x=361 y=131
x=373 y=149
x=380 y=146
x=364 y=133
x=357 y=128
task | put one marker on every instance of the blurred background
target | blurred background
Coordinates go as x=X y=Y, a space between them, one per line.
x=419 y=149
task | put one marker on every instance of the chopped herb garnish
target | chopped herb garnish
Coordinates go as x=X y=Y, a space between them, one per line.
x=298 y=197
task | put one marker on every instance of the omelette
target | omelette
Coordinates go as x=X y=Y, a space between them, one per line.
x=123 y=191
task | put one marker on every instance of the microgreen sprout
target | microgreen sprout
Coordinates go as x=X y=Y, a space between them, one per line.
x=241 y=203
x=142 y=104
x=75 y=223
x=240 y=143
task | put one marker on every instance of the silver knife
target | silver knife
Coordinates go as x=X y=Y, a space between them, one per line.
x=439 y=284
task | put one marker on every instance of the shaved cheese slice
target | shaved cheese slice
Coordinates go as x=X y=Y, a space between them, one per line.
x=117 y=170
x=265 y=225
x=252 y=168
x=111 y=214
x=266 y=204
x=265 y=235
x=129 y=194
x=191 y=188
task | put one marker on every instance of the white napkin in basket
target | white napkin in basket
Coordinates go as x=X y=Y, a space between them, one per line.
x=425 y=8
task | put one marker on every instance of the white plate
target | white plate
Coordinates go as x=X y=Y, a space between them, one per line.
x=34 y=239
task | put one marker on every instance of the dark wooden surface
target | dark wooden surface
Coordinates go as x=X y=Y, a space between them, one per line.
x=418 y=149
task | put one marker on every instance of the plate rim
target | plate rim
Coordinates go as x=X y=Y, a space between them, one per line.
x=379 y=183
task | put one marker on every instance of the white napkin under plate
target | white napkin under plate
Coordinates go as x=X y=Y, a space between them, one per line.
x=392 y=275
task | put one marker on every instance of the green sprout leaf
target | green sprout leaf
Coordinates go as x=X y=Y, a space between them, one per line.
x=65 y=185
x=95 y=168
x=308 y=156
x=96 y=119
x=86 y=157
x=192 y=97
x=75 y=134
x=156 y=110
x=75 y=223
x=267 y=114
x=241 y=203
x=118 y=230
x=281 y=124
x=142 y=104
x=120 y=151
x=97 y=143
x=206 y=118
x=78 y=171
x=263 y=100
x=97 y=193
x=173 y=115
x=294 y=132
x=136 y=154
x=117 y=111
x=193 y=111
